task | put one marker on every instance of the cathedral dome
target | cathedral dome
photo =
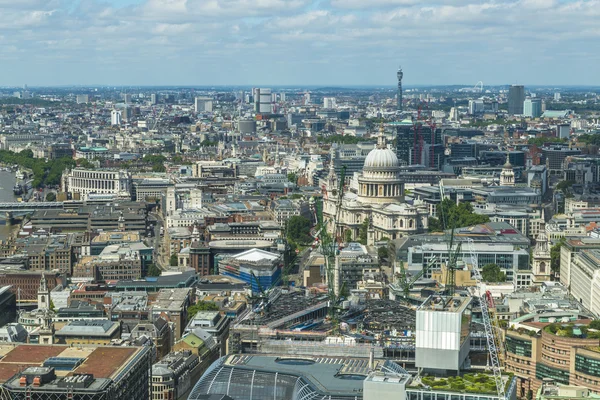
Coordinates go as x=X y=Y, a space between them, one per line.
x=381 y=158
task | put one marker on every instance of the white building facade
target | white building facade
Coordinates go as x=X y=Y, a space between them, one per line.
x=86 y=182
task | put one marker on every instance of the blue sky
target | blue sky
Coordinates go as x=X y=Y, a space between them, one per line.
x=299 y=42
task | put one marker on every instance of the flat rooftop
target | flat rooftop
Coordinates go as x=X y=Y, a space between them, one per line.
x=102 y=362
x=445 y=304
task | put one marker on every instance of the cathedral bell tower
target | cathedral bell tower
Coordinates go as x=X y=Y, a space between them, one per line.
x=43 y=294
x=541 y=260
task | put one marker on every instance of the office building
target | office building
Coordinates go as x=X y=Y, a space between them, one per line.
x=563 y=131
x=252 y=265
x=419 y=144
x=516 y=99
x=82 y=98
x=127 y=98
x=50 y=372
x=153 y=99
x=203 y=104
x=442 y=334
x=532 y=108
x=552 y=348
x=174 y=375
x=86 y=332
x=284 y=377
x=352 y=264
x=476 y=107
x=262 y=101
x=172 y=305
x=554 y=157
x=83 y=182
x=557 y=96
x=115 y=117
x=329 y=102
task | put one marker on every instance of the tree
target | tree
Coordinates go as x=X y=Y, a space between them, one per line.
x=51 y=305
x=492 y=273
x=201 y=306
x=153 y=270
x=159 y=167
x=298 y=230
x=51 y=196
x=363 y=232
x=540 y=141
x=347 y=236
x=457 y=216
x=564 y=185
x=173 y=260
x=382 y=252
x=555 y=256
x=292 y=177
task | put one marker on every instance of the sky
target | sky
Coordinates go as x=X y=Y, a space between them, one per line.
x=299 y=42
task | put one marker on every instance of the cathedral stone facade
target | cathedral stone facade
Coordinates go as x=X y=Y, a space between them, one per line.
x=377 y=195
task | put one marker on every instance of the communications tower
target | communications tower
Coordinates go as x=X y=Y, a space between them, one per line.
x=399 y=74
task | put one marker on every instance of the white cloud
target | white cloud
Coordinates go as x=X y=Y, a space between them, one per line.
x=287 y=41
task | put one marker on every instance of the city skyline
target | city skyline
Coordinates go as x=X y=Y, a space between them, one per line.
x=297 y=42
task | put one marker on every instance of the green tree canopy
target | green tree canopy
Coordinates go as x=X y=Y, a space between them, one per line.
x=593 y=139
x=492 y=273
x=456 y=216
x=298 y=230
x=292 y=177
x=173 y=260
x=201 y=306
x=540 y=141
x=555 y=256
x=51 y=197
x=153 y=270
x=382 y=252
x=344 y=139
x=363 y=232
x=564 y=185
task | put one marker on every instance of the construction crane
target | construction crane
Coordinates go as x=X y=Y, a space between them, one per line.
x=406 y=284
x=487 y=323
x=451 y=264
x=329 y=247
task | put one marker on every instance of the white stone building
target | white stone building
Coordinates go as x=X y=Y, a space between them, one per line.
x=379 y=197
x=88 y=181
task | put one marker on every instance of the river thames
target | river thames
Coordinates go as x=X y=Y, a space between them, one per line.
x=7 y=181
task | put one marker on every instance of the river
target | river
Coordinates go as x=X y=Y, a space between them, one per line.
x=7 y=181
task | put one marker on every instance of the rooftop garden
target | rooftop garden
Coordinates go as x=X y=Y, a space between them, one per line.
x=468 y=383
x=591 y=331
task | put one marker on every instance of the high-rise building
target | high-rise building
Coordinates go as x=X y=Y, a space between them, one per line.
x=557 y=96
x=329 y=102
x=203 y=104
x=411 y=150
x=153 y=98
x=532 y=108
x=127 y=98
x=262 y=100
x=83 y=98
x=400 y=75
x=476 y=106
x=516 y=97
x=115 y=117
x=282 y=97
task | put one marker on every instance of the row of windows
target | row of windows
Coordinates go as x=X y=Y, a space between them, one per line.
x=588 y=366
x=543 y=371
x=519 y=347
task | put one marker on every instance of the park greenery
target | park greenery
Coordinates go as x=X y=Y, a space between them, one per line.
x=540 y=141
x=201 y=306
x=492 y=273
x=456 y=216
x=298 y=230
x=44 y=172
x=590 y=331
x=292 y=177
x=157 y=161
x=470 y=383
x=589 y=139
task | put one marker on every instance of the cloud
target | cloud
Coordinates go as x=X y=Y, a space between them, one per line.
x=274 y=42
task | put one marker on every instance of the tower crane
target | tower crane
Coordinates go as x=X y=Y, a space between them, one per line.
x=329 y=247
x=487 y=323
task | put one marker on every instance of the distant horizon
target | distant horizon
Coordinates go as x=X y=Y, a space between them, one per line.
x=303 y=86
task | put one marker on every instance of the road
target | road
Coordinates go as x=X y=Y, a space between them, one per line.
x=160 y=246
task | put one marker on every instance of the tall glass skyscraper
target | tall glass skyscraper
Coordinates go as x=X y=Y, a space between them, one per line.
x=516 y=97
